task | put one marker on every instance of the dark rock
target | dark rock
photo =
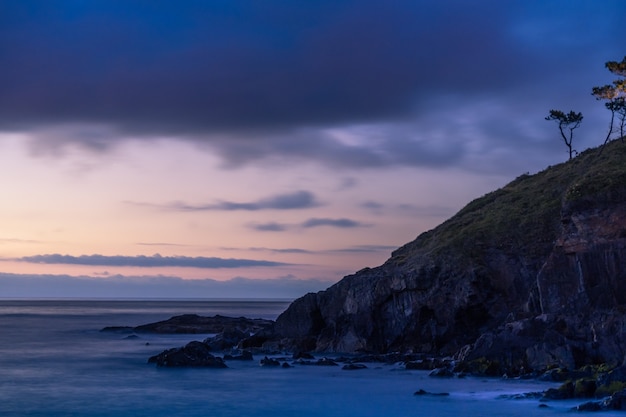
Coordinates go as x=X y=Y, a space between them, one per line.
x=118 y=329
x=255 y=341
x=269 y=362
x=192 y=323
x=226 y=339
x=584 y=388
x=616 y=401
x=564 y=392
x=529 y=277
x=589 y=406
x=480 y=366
x=245 y=355
x=194 y=354
x=441 y=373
x=325 y=362
x=537 y=395
x=425 y=364
x=353 y=366
x=302 y=355
x=436 y=394
x=319 y=362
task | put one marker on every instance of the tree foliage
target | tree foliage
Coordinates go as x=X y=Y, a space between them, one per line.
x=566 y=121
x=614 y=95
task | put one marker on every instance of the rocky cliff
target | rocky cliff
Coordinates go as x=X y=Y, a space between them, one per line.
x=529 y=276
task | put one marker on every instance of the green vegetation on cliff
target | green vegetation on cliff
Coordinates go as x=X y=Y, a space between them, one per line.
x=525 y=214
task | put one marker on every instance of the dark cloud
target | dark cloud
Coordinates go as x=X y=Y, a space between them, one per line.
x=308 y=224
x=289 y=201
x=378 y=208
x=263 y=80
x=339 y=223
x=270 y=227
x=373 y=206
x=149 y=261
x=273 y=250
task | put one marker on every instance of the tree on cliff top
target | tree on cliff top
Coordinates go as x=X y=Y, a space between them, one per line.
x=568 y=121
x=615 y=96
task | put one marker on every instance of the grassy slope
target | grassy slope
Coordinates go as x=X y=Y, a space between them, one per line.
x=524 y=216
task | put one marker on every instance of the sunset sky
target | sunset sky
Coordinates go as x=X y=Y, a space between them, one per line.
x=268 y=148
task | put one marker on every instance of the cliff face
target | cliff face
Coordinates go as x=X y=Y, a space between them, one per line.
x=531 y=275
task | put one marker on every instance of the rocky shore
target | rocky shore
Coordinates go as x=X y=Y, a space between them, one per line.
x=528 y=281
x=529 y=277
x=599 y=387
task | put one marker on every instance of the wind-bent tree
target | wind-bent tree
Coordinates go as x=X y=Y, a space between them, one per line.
x=569 y=121
x=615 y=96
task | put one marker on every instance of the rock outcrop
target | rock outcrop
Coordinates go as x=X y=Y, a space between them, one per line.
x=229 y=327
x=194 y=324
x=530 y=276
x=193 y=354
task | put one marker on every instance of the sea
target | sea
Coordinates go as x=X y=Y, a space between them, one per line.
x=55 y=361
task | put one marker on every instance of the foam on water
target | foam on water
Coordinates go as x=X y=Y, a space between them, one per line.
x=54 y=361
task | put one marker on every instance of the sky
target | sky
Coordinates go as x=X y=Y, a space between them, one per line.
x=237 y=148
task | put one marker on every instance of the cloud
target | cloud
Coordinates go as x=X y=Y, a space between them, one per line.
x=13 y=240
x=342 y=223
x=339 y=223
x=270 y=227
x=290 y=201
x=373 y=206
x=149 y=261
x=255 y=82
x=273 y=250
x=120 y=286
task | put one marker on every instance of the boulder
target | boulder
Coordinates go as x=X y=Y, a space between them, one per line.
x=244 y=355
x=193 y=354
x=269 y=362
x=227 y=339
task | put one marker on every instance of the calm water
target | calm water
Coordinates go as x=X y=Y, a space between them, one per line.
x=54 y=361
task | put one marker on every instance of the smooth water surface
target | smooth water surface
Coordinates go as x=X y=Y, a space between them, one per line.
x=54 y=361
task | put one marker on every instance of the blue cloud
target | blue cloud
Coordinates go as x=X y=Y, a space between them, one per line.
x=149 y=261
x=290 y=201
x=340 y=223
x=270 y=227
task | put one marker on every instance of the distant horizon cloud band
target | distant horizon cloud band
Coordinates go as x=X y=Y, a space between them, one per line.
x=272 y=139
